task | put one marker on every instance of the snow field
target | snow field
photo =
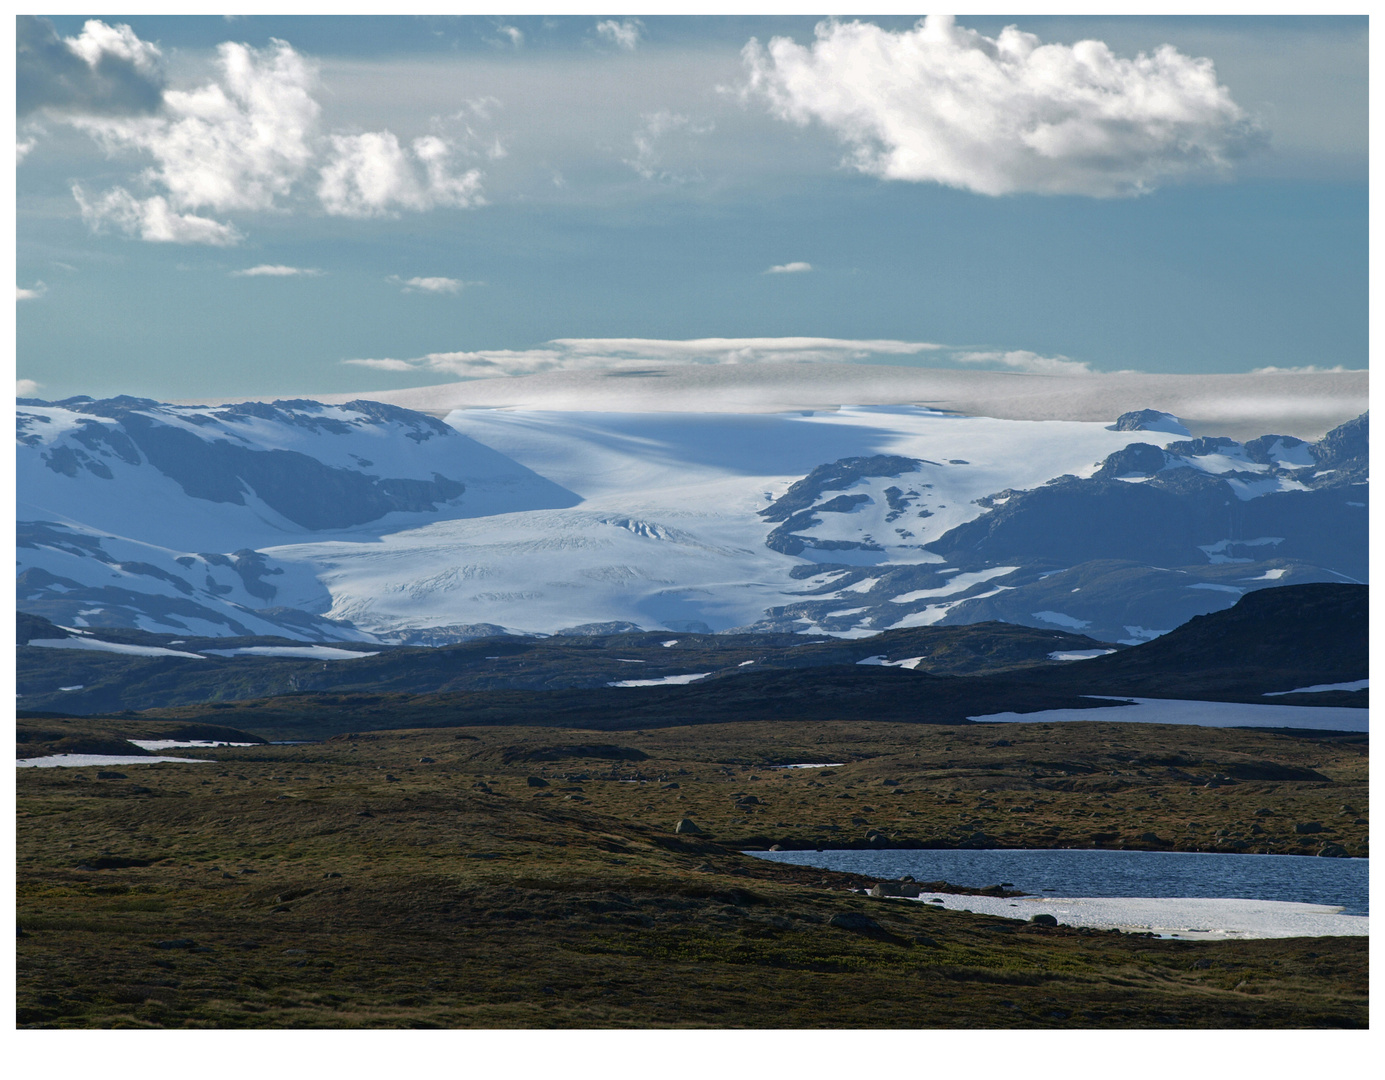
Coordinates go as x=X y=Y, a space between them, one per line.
x=78 y=761
x=1192 y=918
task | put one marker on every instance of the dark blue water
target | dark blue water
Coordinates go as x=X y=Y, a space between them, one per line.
x=1303 y=879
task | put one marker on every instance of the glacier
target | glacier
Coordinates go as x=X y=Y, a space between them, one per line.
x=370 y=522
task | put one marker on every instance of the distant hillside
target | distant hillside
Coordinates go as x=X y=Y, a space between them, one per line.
x=111 y=670
x=1274 y=640
x=1271 y=641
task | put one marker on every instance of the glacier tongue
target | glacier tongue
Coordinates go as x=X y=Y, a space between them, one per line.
x=668 y=531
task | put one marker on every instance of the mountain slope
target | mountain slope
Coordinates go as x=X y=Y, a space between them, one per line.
x=1144 y=541
x=1271 y=641
x=109 y=671
x=134 y=513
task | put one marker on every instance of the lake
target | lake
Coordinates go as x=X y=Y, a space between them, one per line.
x=1096 y=873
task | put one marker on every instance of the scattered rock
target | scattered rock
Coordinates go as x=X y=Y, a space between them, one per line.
x=776 y=847
x=1263 y=811
x=1332 y=851
x=329 y=874
x=1305 y=827
x=895 y=888
x=889 y=783
x=176 y=943
x=1043 y=919
x=106 y=774
x=686 y=825
x=426 y=761
x=536 y=781
x=853 y=920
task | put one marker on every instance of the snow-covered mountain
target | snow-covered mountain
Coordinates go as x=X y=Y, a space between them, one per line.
x=368 y=521
x=1155 y=535
x=134 y=513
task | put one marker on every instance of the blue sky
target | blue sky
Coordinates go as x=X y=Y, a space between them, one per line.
x=290 y=206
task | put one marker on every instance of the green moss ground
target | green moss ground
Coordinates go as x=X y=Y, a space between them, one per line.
x=352 y=883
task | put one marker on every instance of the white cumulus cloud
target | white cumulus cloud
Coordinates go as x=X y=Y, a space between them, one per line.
x=1002 y=115
x=105 y=69
x=272 y=270
x=791 y=268
x=26 y=388
x=1024 y=360
x=249 y=140
x=98 y=40
x=431 y=284
x=31 y=294
x=151 y=219
x=624 y=34
x=236 y=144
x=23 y=147
x=569 y=354
x=371 y=175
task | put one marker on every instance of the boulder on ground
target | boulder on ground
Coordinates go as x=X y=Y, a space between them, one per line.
x=686 y=825
x=536 y=781
x=853 y=920
x=895 y=888
x=1044 y=919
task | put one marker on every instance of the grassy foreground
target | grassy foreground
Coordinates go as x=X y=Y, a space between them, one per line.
x=421 y=878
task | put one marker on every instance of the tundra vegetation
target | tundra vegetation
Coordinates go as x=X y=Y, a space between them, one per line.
x=487 y=876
